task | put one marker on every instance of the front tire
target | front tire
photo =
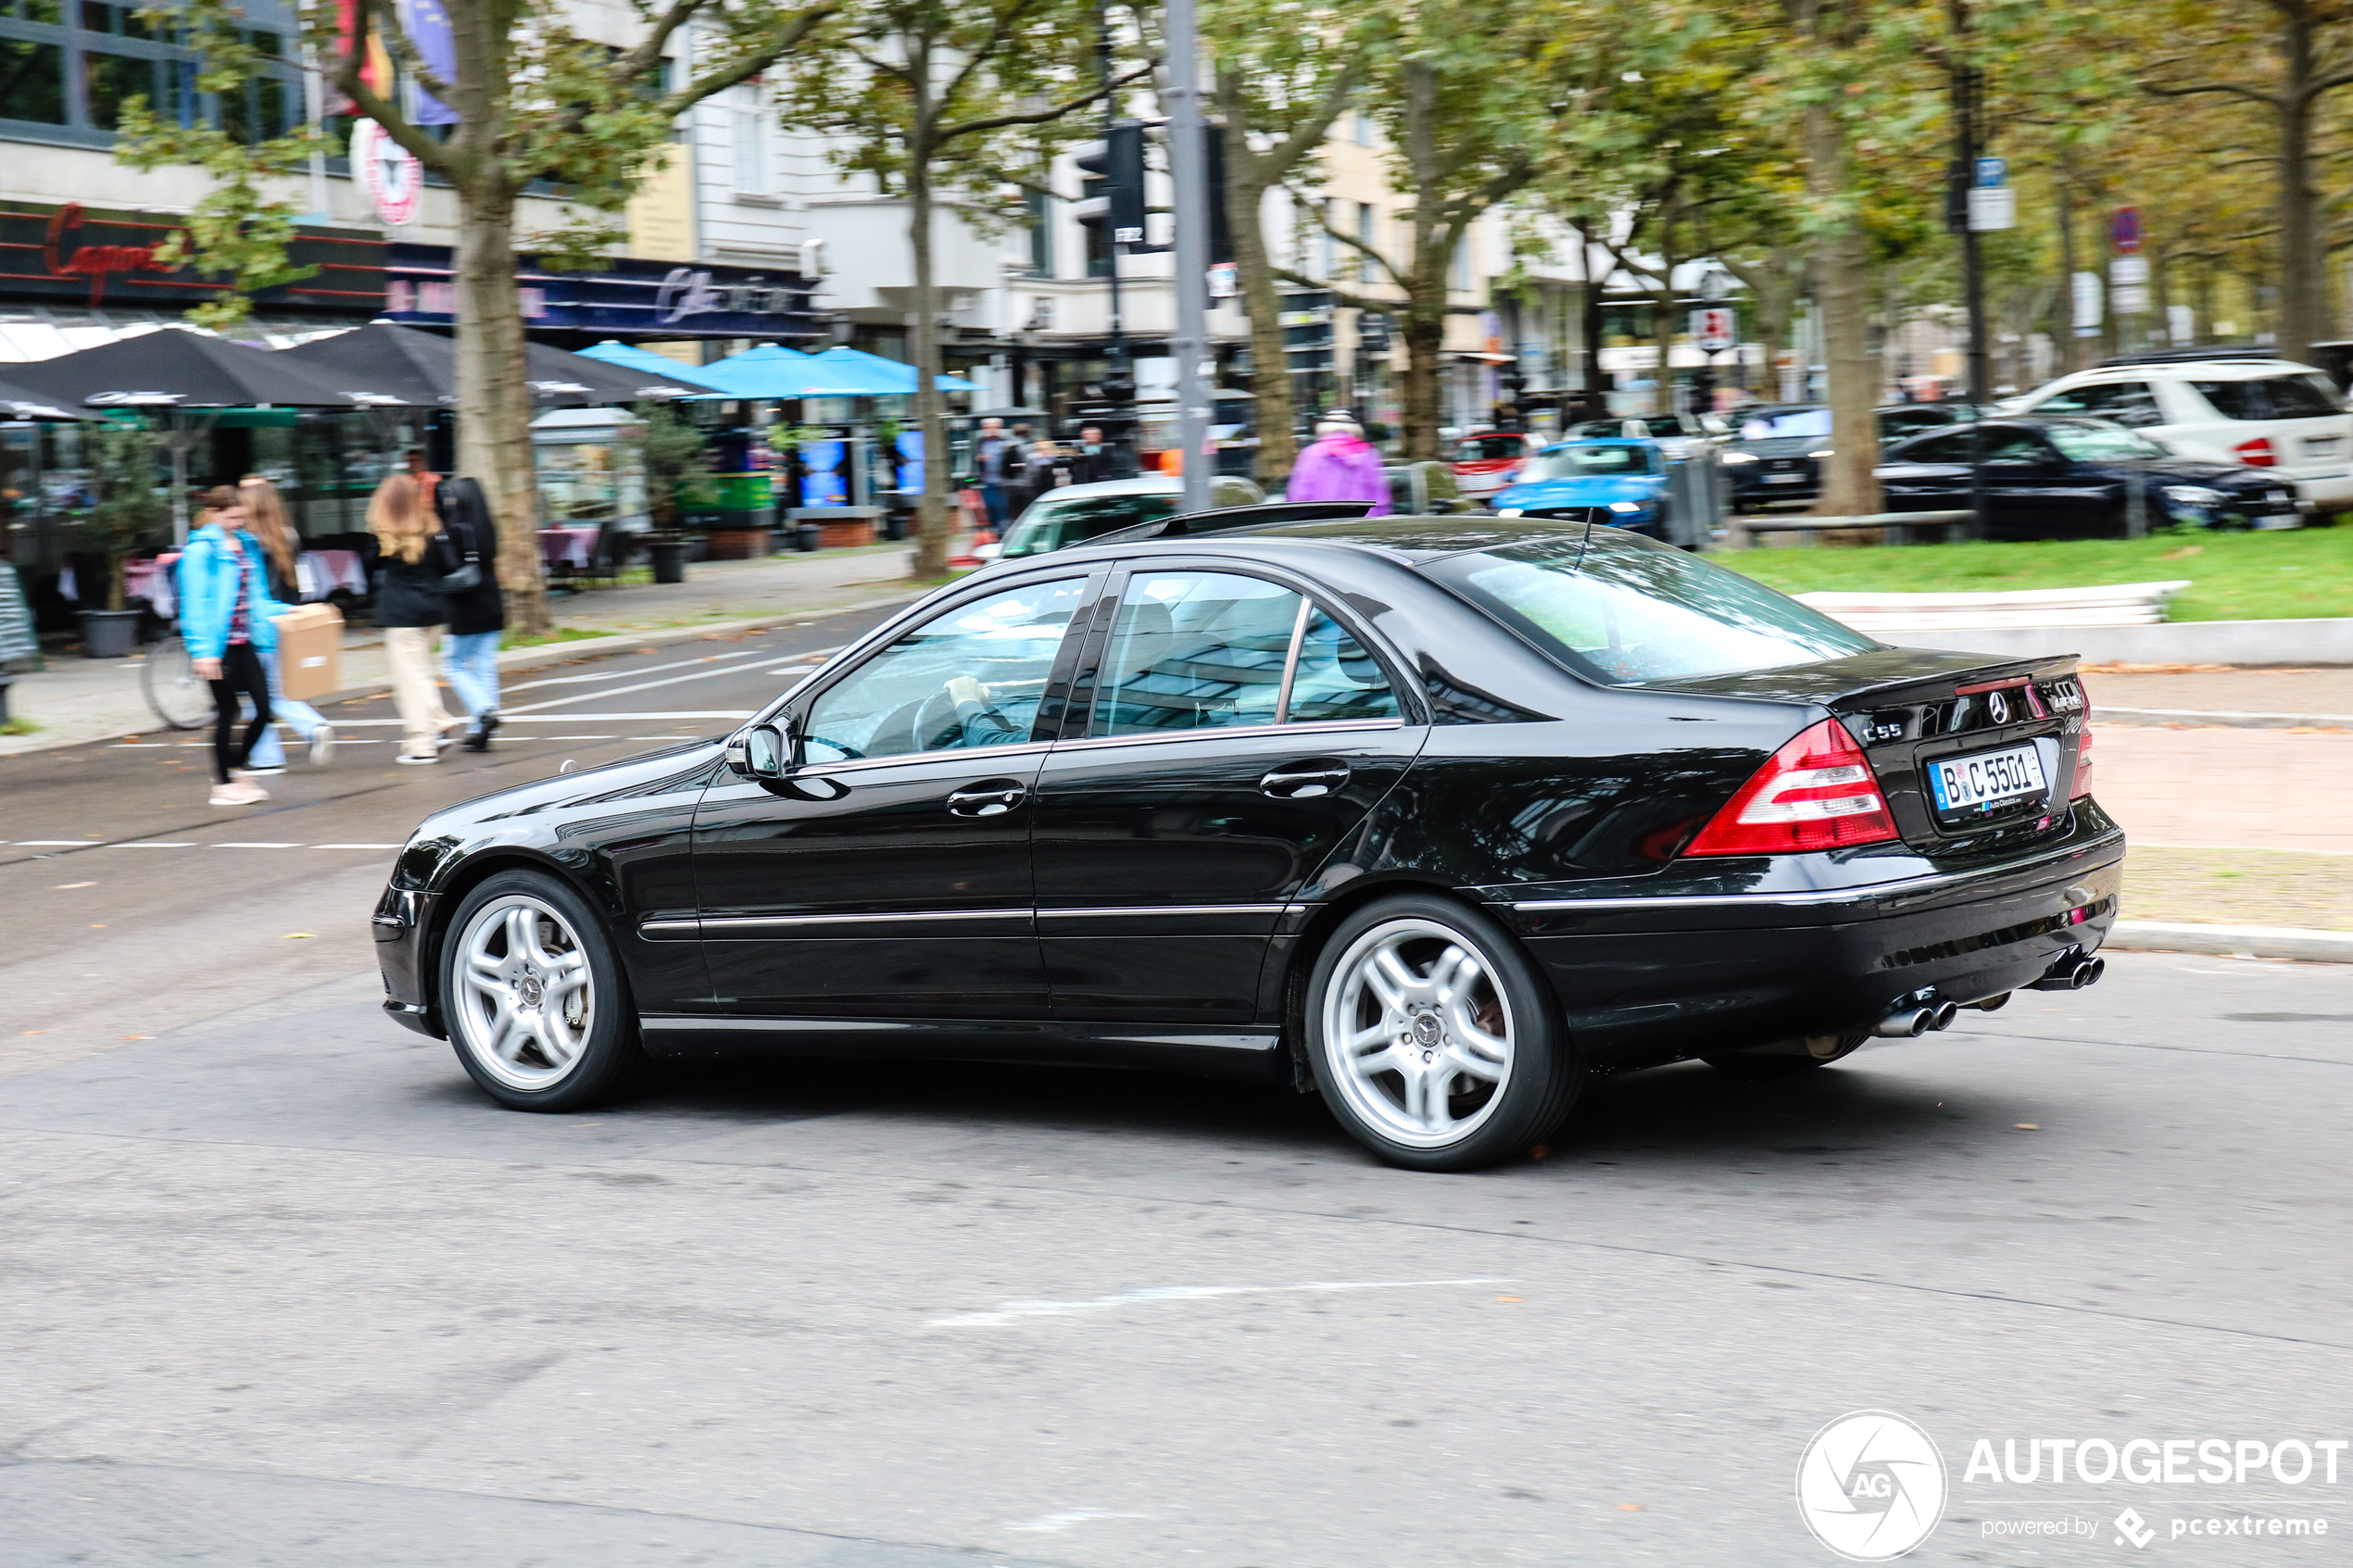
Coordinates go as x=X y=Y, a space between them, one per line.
x=533 y=996
x=1432 y=1037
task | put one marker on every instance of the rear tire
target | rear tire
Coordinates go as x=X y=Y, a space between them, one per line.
x=533 y=993
x=1773 y=1061
x=1434 y=1039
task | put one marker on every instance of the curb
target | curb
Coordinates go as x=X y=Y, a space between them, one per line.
x=2207 y=718
x=550 y=653
x=2235 y=941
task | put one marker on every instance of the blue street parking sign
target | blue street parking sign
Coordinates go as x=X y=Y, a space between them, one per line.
x=1992 y=172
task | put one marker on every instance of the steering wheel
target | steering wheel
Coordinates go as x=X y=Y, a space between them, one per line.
x=918 y=731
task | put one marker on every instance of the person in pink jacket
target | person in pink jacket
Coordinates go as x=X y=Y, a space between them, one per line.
x=1340 y=466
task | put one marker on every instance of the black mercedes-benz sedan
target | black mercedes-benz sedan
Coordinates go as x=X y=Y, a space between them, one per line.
x=2073 y=478
x=1436 y=817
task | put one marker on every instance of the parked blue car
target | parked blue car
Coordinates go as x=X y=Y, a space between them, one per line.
x=1621 y=482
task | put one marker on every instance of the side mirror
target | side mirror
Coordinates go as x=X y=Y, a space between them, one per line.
x=762 y=752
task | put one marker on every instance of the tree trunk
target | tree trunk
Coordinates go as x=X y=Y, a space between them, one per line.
x=1841 y=282
x=1425 y=334
x=931 y=549
x=2063 y=315
x=1663 y=317
x=1262 y=303
x=494 y=410
x=2304 y=307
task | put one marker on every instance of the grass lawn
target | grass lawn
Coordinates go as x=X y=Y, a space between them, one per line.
x=2239 y=888
x=2233 y=576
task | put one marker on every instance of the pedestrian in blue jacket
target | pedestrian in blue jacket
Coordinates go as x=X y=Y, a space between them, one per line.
x=225 y=610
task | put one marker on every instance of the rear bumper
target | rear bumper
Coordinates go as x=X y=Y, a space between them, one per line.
x=1654 y=980
x=2327 y=493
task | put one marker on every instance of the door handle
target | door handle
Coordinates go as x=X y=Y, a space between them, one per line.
x=1304 y=782
x=986 y=800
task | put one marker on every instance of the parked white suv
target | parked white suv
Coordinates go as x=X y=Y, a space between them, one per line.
x=2266 y=413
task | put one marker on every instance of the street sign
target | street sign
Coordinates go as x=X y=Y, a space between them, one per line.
x=2124 y=230
x=1992 y=173
x=389 y=172
x=2088 y=298
x=1225 y=280
x=2127 y=278
x=1993 y=207
x=1715 y=328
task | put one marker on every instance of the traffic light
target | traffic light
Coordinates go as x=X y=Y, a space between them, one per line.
x=1111 y=199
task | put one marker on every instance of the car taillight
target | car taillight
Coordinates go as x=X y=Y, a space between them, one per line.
x=2257 y=453
x=1814 y=793
x=2082 y=785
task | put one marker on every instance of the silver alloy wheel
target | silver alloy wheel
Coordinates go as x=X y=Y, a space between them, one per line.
x=525 y=998
x=1417 y=1032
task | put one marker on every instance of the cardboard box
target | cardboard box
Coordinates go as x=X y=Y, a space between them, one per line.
x=311 y=651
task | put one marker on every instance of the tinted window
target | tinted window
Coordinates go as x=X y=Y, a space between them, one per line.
x=2272 y=397
x=1054 y=524
x=1941 y=449
x=1195 y=650
x=1897 y=423
x=971 y=676
x=1789 y=424
x=2015 y=448
x=1624 y=609
x=1336 y=678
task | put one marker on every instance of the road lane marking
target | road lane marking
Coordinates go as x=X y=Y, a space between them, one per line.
x=255 y=844
x=760 y=654
x=643 y=687
x=353 y=847
x=1014 y=1312
x=154 y=844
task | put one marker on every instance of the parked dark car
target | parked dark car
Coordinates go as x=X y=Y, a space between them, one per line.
x=1437 y=816
x=2061 y=478
x=1775 y=456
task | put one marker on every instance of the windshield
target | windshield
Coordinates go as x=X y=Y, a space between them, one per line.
x=2100 y=444
x=1584 y=462
x=1623 y=609
x=1056 y=525
x=1788 y=425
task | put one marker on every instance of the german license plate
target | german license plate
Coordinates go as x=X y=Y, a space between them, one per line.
x=1784 y=479
x=1987 y=780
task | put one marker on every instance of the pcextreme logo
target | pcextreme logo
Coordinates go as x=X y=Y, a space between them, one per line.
x=1872 y=1486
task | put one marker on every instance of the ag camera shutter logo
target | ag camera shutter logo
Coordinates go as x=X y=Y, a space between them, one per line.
x=1872 y=1486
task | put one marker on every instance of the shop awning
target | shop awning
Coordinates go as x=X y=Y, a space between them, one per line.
x=899 y=374
x=187 y=369
x=421 y=367
x=17 y=403
x=777 y=372
x=647 y=363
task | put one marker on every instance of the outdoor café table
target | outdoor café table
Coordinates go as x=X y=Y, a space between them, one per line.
x=567 y=547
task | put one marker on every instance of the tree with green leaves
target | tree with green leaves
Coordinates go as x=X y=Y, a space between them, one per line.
x=674 y=456
x=534 y=99
x=933 y=97
x=1282 y=75
x=127 y=513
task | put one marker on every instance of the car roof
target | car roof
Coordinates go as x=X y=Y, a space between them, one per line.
x=1644 y=441
x=2255 y=367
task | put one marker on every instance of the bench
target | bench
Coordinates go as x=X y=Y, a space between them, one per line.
x=1739 y=532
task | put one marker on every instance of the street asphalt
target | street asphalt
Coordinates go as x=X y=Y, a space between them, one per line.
x=278 y=1285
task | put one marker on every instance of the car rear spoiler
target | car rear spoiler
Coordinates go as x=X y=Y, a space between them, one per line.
x=1226 y=519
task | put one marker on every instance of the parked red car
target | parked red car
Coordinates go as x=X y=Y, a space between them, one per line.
x=1485 y=460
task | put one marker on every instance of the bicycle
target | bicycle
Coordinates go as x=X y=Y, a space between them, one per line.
x=169 y=683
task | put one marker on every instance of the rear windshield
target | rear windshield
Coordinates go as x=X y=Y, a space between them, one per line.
x=1489 y=448
x=1623 y=609
x=1057 y=525
x=2305 y=397
x=1795 y=422
x=1578 y=462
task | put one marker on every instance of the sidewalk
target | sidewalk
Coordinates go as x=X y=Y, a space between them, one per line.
x=77 y=700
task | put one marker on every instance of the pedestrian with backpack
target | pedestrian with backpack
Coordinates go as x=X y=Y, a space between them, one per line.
x=477 y=609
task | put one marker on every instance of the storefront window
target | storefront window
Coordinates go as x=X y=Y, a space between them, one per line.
x=113 y=55
x=32 y=81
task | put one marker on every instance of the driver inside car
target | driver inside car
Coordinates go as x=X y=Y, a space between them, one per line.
x=981 y=723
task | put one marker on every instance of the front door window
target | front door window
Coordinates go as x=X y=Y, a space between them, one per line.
x=969 y=678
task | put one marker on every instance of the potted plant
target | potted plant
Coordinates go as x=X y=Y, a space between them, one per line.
x=671 y=452
x=127 y=513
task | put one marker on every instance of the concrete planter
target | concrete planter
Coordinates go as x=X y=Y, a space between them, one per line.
x=109 y=634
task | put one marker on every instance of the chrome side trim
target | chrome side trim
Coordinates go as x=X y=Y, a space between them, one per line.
x=1321 y=727
x=1827 y=896
x=868 y=764
x=1165 y=909
x=723 y=925
x=686 y=926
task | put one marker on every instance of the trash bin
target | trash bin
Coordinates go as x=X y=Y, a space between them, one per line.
x=669 y=559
